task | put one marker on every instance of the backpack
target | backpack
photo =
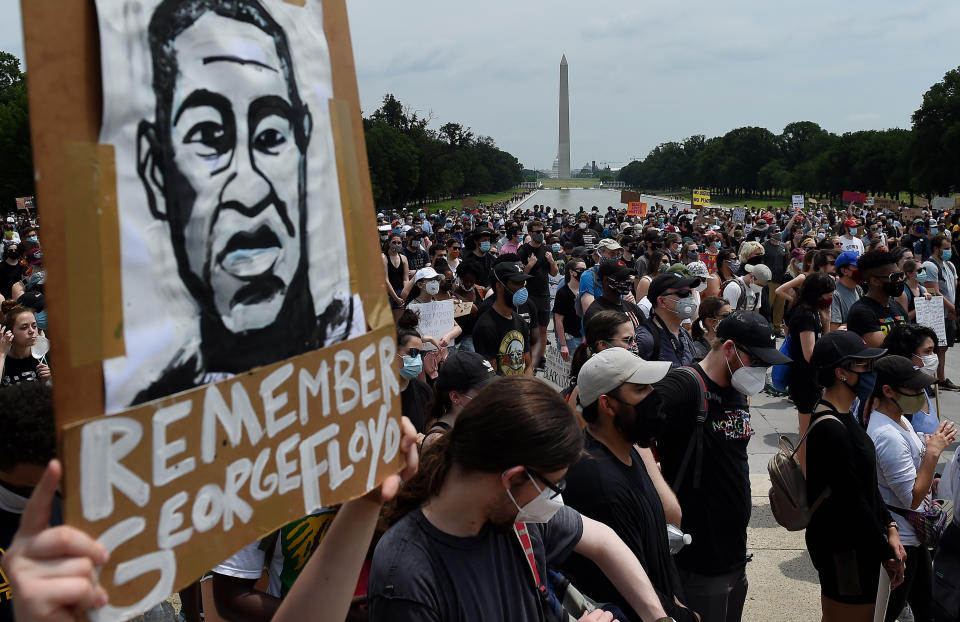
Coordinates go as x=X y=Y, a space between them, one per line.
x=742 y=300
x=577 y=304
x=780 y=375
x=788 y=485
x=696 y=441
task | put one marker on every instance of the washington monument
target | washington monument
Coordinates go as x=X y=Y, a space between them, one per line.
x=563 y=153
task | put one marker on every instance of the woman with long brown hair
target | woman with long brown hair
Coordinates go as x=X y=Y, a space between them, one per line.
x=17 y=336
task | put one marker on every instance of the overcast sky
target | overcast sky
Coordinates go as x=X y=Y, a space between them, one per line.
x=642 y=72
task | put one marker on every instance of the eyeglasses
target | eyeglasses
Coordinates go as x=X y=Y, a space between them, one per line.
x=859 y=367
x=557 y=487
x=410 y=352
x=627 y=340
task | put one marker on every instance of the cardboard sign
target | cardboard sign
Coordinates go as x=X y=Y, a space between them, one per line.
x=930 y=313
x=882 y=203
x=922 y=203
x=629 y=196
x=189 y=471
x=868 y=202
x=25 y=203
x=739 y=214
x=637 y=208
x=825 y=202
x=701 y=198
x=798 y=201
x=436 y=318
x=909 y=214
x=812 y=201
x=471 y=202
x=461 y=308
x=853 y=197
x=942 y=203
x=557 y=370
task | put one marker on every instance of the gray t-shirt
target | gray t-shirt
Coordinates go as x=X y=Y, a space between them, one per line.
x=899 y=456
x=945 y=275
x=422 y=574
x=843 y=299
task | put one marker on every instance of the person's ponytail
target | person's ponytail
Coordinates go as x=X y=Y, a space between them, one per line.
x=435 y=463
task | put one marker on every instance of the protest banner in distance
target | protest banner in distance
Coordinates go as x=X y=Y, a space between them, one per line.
x=812 y=201
x=930 y=313
x=909 y=214
x=882 y=203
x=557 y=370
x=739 y=214
x=853 y=197
x=629 y=196
x=436 y=318
x=798 y=201
x=922 y=202
x=868 y=202
x=942 y=203
x=637 y=208
x=241 y=344
x=701 y=198
x=25 y=203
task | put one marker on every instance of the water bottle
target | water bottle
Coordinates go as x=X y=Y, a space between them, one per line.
x=677 y=539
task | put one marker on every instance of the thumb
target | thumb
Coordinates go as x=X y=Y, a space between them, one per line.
x=36 y=516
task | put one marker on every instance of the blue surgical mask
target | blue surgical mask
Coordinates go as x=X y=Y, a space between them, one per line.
x=922 y=274
x=32 y=238
x=484 y=247
x=412 y=366
x=934 y=231
x=853 y=231
x=864 y=386
x=947 y=254
x=555 y=248
x=520 y=296
x=716 y=245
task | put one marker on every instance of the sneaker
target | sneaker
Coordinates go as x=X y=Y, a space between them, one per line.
x=947 y=385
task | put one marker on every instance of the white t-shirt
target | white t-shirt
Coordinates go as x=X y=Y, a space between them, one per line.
x=734 y=289
x=950 y=485
x=899 y=455
x=853 y=244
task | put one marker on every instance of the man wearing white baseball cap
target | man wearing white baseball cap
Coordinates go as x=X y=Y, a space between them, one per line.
x=620 y=485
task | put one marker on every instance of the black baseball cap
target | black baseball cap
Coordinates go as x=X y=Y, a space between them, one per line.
x=840 y=345
x=32 y=300
x=464 y=370
x=476 y=233
x=509 y=271
x=669 y=280
x=899 y=371
x=751 y=332
x=617 y=270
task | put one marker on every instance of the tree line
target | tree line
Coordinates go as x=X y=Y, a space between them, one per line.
x=411 y=163
x=807 y=159
x=16 y=157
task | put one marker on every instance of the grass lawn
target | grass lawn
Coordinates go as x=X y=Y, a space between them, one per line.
x=579 y=182
x=483 y=198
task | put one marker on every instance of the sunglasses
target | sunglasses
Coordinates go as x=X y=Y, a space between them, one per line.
x=556 y=488
x=893 y=277
x=411 y=352
x=680 y=293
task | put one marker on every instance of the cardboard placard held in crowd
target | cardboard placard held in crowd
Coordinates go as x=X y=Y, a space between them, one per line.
x=24 y=203
x=942 y=203
x=869 y=202
x=461 y=308
x=922 y=202
x=812 y=201
x=701 y=198
x=557 y=370
x=208 y=447
x=849 y=196
x=637 y=208
x=930 y=313
x=738 y=214
x=882 y=203
x=909 y=214
x=436 y=318
x=629 y=196
x=798 y=201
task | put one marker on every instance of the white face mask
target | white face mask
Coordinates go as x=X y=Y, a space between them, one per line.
x=432 y=287
x=702 y=286
x=541 y=508
x=582 y=225
x=747 y=380
x=930 y=363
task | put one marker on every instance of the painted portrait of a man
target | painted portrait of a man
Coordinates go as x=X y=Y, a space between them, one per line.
x=232 y=164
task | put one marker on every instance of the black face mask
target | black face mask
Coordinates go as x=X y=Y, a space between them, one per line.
x=893 y=289
x=644 y=423
x=12 y=254
x=537 y=237
x=754 y=261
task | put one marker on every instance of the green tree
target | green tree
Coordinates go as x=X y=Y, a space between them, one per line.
x=16 y=156
x=935 y=146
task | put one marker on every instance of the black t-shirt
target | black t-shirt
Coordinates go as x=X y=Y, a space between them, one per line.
x=716 y=514
x=631 y=310
x=868 y=316
x=416 y=259
x=564 y=304
x=538 y=285
x=8 y=276
x=483 y=264
x=854 y=516
x=527 y=311
x=623 y=497
x=413 y=402
x=587 y=238
x=16 y=371
x=421 y=574
x=503 y=340
x=775 y=258
x=802 y=320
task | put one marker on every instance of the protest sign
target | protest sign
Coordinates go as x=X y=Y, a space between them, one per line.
x=637 y=208
x=930 y=313
x=557 y=370
x=208 y=448
x=812 y=201
x=922 y=202
x=25 y=203
x=436 y=318
x=853 y=197
x=462 y=308
x=798 y=201
x=942 y=203
x=701 y=198
x=629 y=196
x=882 y=203
x=739 y=213
x=868 y=202
x=909 y=214
x=825 y=202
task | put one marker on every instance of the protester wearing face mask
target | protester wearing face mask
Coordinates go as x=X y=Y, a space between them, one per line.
x=460 y=379
x=396 y=272
x=805 y=324
x=414 y=393
x=906 y=467
x=417 y=256
x=435 y=347
x=478 y=242
x=849 y=240
x=852 y=533
x=661 y=337
x=500 y=334
x=713 y=483
x=711 y=249
x=11 y=273
x=919 y=344
x=454 y=247
x=712 y=310
x=745 y=293
x=877 y=312
x=941 y=280
x=591 y=287
x=617 y=282
x=566 y=324
x=618 y=482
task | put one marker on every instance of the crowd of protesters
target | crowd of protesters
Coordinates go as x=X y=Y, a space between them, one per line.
x=624 y=493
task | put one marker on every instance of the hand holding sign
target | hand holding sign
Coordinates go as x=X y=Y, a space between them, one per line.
x=52 y=571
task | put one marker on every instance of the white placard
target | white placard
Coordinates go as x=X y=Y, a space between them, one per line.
x=557 y=370
x=930 y=314
x=869 y=202
x=798 y=201
x=739 y=214
x=943 y=202
x=436 y=318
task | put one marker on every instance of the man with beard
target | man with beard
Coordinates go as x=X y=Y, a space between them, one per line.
x=224 y=164
x=619 y=485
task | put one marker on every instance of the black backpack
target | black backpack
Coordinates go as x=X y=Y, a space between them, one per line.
x=696 y=441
